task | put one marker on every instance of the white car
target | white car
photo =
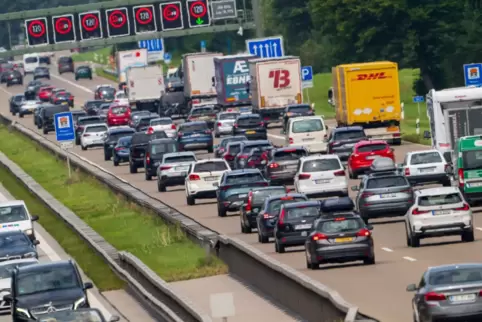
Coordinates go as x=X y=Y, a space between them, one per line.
x=201 y=179
x=307 y=131
x=14 y=215
x=321 y=175
x=438 y=212
x=173 y=169
x=28 y=107
x=163 y=124
x=6 y=269
x=425 y=167
x=93 y=135
x=121 y=97
x=224 y=123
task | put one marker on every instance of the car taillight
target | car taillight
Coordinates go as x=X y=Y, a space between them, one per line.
x=242 y=156
x=173 y=126
x=119 y=148
x=261 y=124
x=319 y=236
x=71 y=97
x=446 y=168
x=208 y=132
x=304 y=176
x=179 y=134
x=148 y=158
x=461 y=177
x=366 y=194
x=432 y=296
x=220 y=124
x=150 y=130
x=86 y=134
x=407 y=171
x=281 y=220
x=268 y=216
x=165 y=167
x=416 y=211
x=250 y=200
x=194 y=177
x=274 y=165
x=235 y=125
x=251 y=163
x=228 y=157
x=291 y=141
x=224 y=188
x=466 y=207
x=364 y=233
x=340 y=173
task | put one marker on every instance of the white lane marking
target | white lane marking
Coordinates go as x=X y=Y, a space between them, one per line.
x=478 y=228
x=85 y=89
x=387 y=249
x=53 y=256
x=5 y=91
x=410 y=259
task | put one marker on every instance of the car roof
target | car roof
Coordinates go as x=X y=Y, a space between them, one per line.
x=304 y=118
x=260 y=189
x=119 y=129
x=236 y=137
x=13 y=203
x=179 y=154
x=370 y=142
x=162 y=119
x=436 y=191
x=79 y=112
x=441 y=268
x=163 y=140
x=210 y=160
x=289 y=194
x=308 y=203
x=19 y=261
x=192 y=123
x=95 y=124
x=42 y=266
x=319 y=156
x=235 y=143
x=289 y=148
x=423 y=151
x=256 y=142
x=330 y=216
x=246 y=116
x=203 y=107
x=92 y=117
x=242 y=171
x=347 y=129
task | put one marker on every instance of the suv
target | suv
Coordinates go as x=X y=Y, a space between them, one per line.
x=46 y=121
x=296 y=111
x=65 y=64
x=429 y=166
x=112 y=136
x=282 y=164
x=139 y=143
x=383 y=192
x=154 y=153
x=47 y=287
x=341 y=140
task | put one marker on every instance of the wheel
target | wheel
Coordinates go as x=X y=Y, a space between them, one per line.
x=262 y=239
x=414 y=240
x=106 y=156
x=407 y=236
x=190 y=200
x=8 y=84
x=76 y=79
x=48 y=78
x=132 y=168
x=351 y=174
x=216 y=135
x=116 y=162
x=147 y=176
x=279 y=248
x=244 y=229
x=160 y=187
x=90 y=77
x=365 y=219
x=210 y=149
x=397 y=142
x=447 y=183
x=39 y=126
x=77 y=141
x=221 y=212
x=45 y=131
x=83 y=147
x=468 y=236
x=20 y=115
x=309 y=262
x=369 y=261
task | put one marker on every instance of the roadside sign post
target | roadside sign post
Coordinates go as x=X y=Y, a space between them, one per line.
x=203 y=46
x=65 y=133
x=167 y=58
x=418 y=100
x=307 y=79
x=222 y=306
x=472 y=74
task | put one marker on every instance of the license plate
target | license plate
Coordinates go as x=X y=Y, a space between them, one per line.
x=388 y=195
x=181 y=168
x=322 y=181
x=427 y=170
x=255 y=209
x=300 y=227
x=250 y=132
x=309 y=139
x=211 y=178
x=142 y=154
x=244 y=195
x=462 y=298
x=474 y=184
x=291 y=166
x=195 y=135
x=344 y=240
x=372 y=157
x=304 y=233
x=441 y=212
x=349 y=145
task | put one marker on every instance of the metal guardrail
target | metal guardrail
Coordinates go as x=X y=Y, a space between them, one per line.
x=302 y=295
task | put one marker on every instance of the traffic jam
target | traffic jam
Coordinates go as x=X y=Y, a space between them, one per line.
x=207 y=133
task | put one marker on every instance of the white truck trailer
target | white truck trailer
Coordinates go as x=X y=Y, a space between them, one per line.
x=127 y=59
x=145 y=86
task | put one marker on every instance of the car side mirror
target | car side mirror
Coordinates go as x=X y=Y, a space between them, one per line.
x=427 y=135
x=88 y=286
x=326 y=127
x=34 y=218
x=410 y=288
x=369 y=227
x=114 y=318
x=354 y=188
x=36 y=242
x=8 y=298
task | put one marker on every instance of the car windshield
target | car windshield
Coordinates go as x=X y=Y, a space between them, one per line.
x=321 y=165
x=228 y=116
x=422 y=158
x=96 y=129
x=108 y=92
x=180 y=159
x=72 y=316
x=304 y=126
x=89 y=121
x=301 y=212
x=194 y=127
x=456 y=275
x=162 y=148
x=31 y=60
x=202 y=111
x=161 y=122
x=386 y=182
x=6 y=269
x=244 y=178
x=372 y=148
x=348 y=135
x=119 y=110
x=261 y=195
x=234 y=149
x=289 y=154
x=451 y=198
x=299 y=109
x=340 y=225
x=275 y=205
x=50 y=279
x=472 y=159
x=13 y=213
x=249 y=120
x=13 y=240
x=210 y=166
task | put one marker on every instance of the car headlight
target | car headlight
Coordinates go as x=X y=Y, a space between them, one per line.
x=23 y=312
x=28 y=231
x=79 y=303
x=30 y=255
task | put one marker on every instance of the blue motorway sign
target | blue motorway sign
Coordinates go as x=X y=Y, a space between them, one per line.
x=167 y=58
x=472 y=74
x=152 y=45
x=64 y=127
x=271 y=47
x=307 y=74
x=418 y=99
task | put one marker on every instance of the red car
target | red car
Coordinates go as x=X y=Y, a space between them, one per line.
x=118 y=115
x=364 y=152
x=62 y=98
x=45 y=92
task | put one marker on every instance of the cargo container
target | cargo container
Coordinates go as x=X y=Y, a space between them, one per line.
x=198 y=73
x=231 y=79
x=129 y=58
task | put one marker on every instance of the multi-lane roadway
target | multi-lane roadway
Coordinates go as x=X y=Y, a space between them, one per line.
x=378 y=290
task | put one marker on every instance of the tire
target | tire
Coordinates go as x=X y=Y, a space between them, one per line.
x=245 y=230
x=210 y=149
x=369 y=261
x=311 y=265
x=190 y=200
x=216 y=135
x=147 y=176
x=20 y=115
x=262 y=239
x=116 y=162
x=221 y=212
x=77 y=141
x=468 y=236
x=414 y=240
x=397 y=142
x=76 y=79
x=351 y=175
x=83 y=148
x=160 y=187
x=279 y=248
x=407 y=237
x=447 y=183
x=45 y=131
x=132 y=168
x=106 y=157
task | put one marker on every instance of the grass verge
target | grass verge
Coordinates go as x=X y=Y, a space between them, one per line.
x=101 y=54
x=76 y=247
x=99 y=71
x=165 y=249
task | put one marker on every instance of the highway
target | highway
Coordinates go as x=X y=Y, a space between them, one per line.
x=378 y=290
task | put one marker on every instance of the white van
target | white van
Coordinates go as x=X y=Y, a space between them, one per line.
x=14 y=215
x=30 y=62
x=307 y=131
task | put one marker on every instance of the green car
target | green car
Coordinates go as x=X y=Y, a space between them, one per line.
x=83 y=72
x=468 y=168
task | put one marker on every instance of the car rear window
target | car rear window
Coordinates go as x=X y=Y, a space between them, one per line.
x=428 y=157
x=202 y=111
x=181 y=158
x=261 y=147
x=228 y=116
x=244 y=178
x=451 y=198
x=321 y=165
x=349 y=135
x=386 y=182
x=161 y=148
x=226 y=141
x=275 y=205
x=65 y=60
x=340 y=226
x=194 y=127
x=472 y=159
x=98 y=128
x=304 y=126
x=31 y=60
x=89 y=121
x=210 y=166
x=372 y=147
x=287 y=155
x=260 y=196
x=301 y=212
x=457 y=275
x=19 y=98
x=93 y=104
x=161 y=122
x=125 y=142
x=299 y=109
x=120 y=110
x=249 y=120
x=116 y=136
x=234 y=149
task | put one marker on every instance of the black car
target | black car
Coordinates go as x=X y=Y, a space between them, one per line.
x=143 y=123
x=65 y=65
x=44 y=60
x=15 y=244
x=342 y=139
x=32 y=89
x=76 y=114
x=46 y=120
x=251 y=126
x=15 y=102
x=154 y=152
x=220 y=149
x=5 y=69
x=41 y=72
x=45 y=288
x=83 y=72
x=296 y=111
x=241 y=159
x=64 y=98
x=136 y=115
x=36 y=114
x=137 y=151
x=254 y=203
x=83 y=121
x=294 y=224
x=282 y=163
x=14 y=78
x=121 y=150
x=105 y=93
x=269 y=212
x=91 y=107
x=78 y=315
x=112 y=136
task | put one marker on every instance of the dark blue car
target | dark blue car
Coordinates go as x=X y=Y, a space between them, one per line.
x=121 y=151
x=234 y=188
x=195 y=136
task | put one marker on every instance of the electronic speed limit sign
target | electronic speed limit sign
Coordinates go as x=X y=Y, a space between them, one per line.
x=144 y=19
x=64 y=29
x=117 y=22
x=90 y=25
x=37 y=32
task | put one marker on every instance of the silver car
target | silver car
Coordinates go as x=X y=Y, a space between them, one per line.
x=173 y=169
x=41 y=72
x=224 y=123
x=448 y=292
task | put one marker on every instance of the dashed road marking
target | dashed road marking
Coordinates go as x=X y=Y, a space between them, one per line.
x=410 y=259
x=478 y=228
x=387 y=249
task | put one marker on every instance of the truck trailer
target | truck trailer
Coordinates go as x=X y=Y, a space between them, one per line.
x=145 y=86
x=129 y=58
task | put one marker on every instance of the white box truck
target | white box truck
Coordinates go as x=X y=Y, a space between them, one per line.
x=145 y=86
x=129 y=58
x=275 y=83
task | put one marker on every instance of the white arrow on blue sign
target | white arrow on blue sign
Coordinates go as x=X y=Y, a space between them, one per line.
x=167 y=58
x=152 y=45
x=271 y=47
x=418 y=99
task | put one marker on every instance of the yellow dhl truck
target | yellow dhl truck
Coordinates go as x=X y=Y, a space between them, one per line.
x=368 y=95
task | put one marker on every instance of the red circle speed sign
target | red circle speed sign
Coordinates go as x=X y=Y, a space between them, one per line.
x=90 y=22
x=36 y=28
x=63 y=25
x=117 y=19
x=198 y=9
x=144 y=16
x=170 y=12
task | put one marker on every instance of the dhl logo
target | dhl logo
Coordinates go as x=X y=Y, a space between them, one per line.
x=372 y=76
